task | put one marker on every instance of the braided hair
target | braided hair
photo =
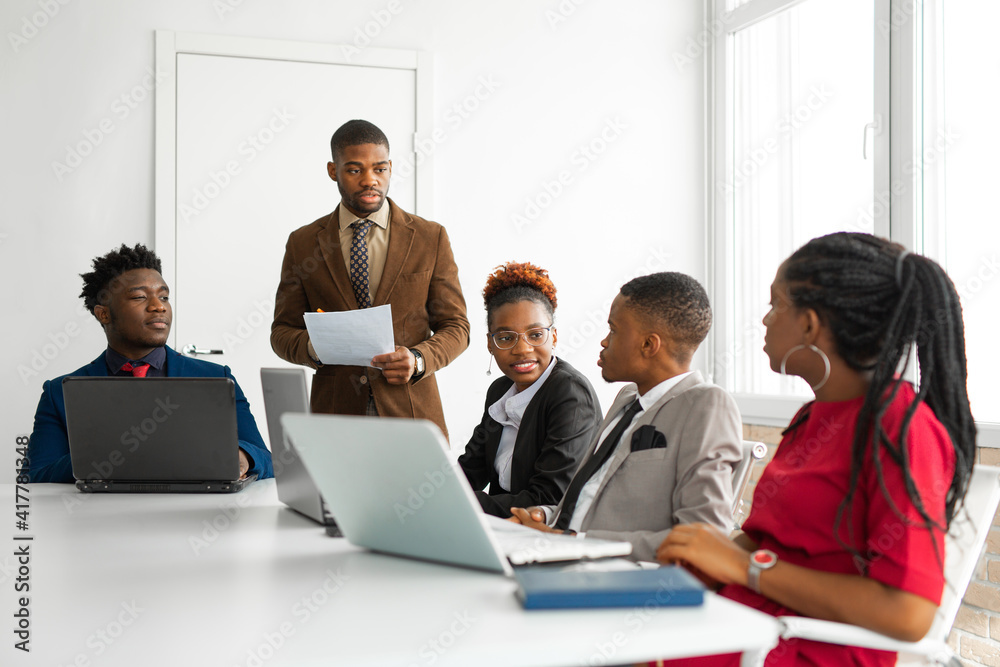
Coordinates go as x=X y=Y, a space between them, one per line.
x=97 y=283
x=879 y=301
x=516 y=281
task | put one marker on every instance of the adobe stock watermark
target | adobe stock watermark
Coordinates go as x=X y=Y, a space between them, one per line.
x=417 y=497
x=131 y=440
x=769 y=486
x=228 y=514
x=457 y=114
x=248 y=149
x=432 y=650
x=223 y=8
x=32 y=24
x=606 y=651
x=249 y=324
x=302 y=610
x=696 y=45
x=121 y=108
x=582 y=157
x=979 y=279
x=574 y=338
x=900 y=15
x=819 y=95
x=364 y=35
x=562 y=12
x=105 y=636
x=882 y=201
x=750 y=338
x=56 y=342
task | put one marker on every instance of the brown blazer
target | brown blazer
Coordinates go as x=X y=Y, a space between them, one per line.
x=420 y=281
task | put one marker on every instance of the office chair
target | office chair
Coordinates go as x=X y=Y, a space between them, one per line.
x=752 y=453
x=963 y=547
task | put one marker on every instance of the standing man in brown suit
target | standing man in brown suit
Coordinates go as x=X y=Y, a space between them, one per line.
x=369 y=252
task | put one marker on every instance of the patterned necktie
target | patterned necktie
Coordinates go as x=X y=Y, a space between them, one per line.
x=593 y=464
x=359 y=263
x=139 y=370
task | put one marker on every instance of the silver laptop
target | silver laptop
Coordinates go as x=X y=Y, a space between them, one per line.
x=393 y=489
x=285 y=391
x=154 y=435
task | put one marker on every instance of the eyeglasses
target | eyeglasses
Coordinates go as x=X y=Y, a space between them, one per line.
x=505 y=340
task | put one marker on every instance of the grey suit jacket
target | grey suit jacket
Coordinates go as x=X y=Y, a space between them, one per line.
x=645 y=493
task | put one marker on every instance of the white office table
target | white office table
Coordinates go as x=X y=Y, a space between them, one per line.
x=241 y=580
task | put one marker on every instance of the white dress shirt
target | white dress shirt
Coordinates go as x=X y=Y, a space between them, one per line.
x=508 y=411
x=589 y=490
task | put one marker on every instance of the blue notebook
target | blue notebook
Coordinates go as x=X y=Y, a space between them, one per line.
x=553 y=588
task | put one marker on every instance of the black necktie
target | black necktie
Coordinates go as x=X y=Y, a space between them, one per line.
x=594 y=463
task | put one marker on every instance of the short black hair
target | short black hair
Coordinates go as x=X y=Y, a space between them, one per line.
x=674 y=301
x=96 y=284
x=355 y=133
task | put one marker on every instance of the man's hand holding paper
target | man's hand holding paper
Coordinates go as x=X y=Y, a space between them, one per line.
x=357 y=338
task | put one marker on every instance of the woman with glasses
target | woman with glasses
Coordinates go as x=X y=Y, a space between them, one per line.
x=541 y=415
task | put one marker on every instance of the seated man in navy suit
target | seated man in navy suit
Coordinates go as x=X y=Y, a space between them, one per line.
x=129 y=297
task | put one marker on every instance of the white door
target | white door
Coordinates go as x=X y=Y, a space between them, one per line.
x=252 y=143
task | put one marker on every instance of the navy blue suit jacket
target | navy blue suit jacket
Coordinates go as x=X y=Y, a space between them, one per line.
x=48 y=449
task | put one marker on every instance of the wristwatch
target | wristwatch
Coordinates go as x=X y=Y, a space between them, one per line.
x=760 y=560
x=418 y=365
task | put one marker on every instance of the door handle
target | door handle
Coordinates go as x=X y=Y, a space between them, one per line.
x=876 y=126
x=191 y=349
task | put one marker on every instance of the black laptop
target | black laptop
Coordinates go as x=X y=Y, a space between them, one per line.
x=153 y=435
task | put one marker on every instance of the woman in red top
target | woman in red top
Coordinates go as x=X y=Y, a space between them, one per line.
x=848 y=520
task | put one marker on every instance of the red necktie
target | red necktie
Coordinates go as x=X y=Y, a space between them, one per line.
x=139 y=370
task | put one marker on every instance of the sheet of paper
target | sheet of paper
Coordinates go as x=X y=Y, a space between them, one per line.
x=351 y=337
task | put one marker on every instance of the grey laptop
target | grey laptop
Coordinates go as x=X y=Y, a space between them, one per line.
x=393 y=489
x=285 y=391
x=154 y=435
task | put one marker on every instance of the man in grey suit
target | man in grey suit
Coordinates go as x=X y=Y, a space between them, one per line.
x=666 y=450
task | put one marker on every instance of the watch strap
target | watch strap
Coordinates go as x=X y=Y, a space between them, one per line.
x=760 y=560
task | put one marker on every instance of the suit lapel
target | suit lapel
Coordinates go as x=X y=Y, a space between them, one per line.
x=98 y=367
x=646 y=417
x=400 y=241
x=624 y=397
x=328 y=239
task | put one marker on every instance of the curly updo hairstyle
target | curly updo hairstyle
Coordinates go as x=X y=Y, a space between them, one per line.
x=518 y=281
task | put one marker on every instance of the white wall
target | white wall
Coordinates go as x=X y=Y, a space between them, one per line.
x=564 y=73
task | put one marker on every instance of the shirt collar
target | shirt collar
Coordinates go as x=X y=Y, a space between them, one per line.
x=648 y=399
x=509 y=409
x=379 y=217
x=115 y=361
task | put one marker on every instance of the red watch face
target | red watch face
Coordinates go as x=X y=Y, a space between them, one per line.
x=762 y=558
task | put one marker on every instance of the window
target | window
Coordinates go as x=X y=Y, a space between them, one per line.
x=958 y=169
x=800 y=148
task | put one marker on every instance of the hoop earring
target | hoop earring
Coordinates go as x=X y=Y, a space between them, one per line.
x=821 y=353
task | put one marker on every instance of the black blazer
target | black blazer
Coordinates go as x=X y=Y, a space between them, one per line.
x=559 y=423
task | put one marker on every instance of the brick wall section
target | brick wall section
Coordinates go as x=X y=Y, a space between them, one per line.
x=976 y=633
